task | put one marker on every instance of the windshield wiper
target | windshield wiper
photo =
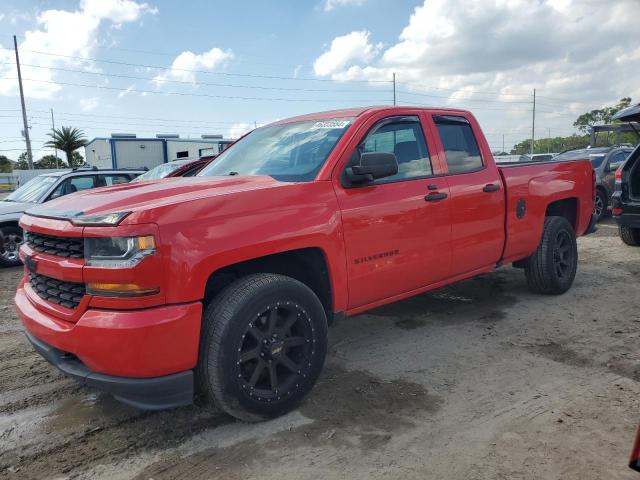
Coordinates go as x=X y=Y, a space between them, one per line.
x=233 y=173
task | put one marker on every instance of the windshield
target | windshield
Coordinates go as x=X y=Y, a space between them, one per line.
x=160 y=171
x=585 y=153
x=33 y=190
x=291 y=152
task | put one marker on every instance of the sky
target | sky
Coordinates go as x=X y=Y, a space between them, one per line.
x=223 y=67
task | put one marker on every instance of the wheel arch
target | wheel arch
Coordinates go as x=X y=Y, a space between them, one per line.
x=566 y=207
x=308 y=265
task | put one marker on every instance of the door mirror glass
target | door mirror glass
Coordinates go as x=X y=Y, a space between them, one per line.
x=373 y=165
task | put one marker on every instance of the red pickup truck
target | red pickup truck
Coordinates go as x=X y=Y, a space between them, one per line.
x=223 y=285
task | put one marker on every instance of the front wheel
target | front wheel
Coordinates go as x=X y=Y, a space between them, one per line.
x=552 y=267
x=263 y=346
x=12 y=237
x=630 y=236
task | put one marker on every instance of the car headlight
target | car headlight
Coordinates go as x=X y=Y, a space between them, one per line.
x=118 y=252
x=102 y=220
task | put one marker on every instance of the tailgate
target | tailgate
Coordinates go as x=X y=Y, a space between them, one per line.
x=565 y=188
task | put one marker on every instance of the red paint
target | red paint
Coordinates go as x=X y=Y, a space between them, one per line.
x=381 y=242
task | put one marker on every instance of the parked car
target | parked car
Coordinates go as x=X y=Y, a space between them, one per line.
x=537 y=157
x=176 y=168
x=626 y=199
x=43 y=188
x=225 y=283
x=605 y=161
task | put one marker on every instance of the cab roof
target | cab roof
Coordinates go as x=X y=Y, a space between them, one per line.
x=357 y=111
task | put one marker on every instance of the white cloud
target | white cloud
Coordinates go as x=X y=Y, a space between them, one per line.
x=66 y=33
x=332 y=4
x=88 y=104
x=345 y=51
x=183 y=66
x=582 y=50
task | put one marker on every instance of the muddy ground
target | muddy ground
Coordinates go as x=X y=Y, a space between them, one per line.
x=481 y=380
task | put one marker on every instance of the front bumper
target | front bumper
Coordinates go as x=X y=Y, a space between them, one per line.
x=120 y=351
x=157 y=393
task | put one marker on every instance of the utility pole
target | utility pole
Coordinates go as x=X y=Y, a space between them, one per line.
x=394 y=88
x=24 y=110
x=53 y=132
x=533 y=125
x=549 y=144
x=503 y=143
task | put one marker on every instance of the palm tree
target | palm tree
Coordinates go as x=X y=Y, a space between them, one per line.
x=68 y=140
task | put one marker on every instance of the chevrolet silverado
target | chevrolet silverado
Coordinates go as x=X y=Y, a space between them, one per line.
x=222 y=286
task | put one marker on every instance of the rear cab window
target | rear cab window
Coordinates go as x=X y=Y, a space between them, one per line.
x=459 y=143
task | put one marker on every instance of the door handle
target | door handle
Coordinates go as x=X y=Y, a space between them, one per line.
x=434 y=197
x=491 y=188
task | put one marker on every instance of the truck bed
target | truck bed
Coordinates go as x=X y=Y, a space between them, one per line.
x=529 y=189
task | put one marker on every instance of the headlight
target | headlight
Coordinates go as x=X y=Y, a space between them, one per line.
x=103 y=220
x=119 y=252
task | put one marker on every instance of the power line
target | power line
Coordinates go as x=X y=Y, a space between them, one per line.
x=229 y=74
x=195 y=83
x=184 y=94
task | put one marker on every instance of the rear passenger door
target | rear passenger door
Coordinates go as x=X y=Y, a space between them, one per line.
x=477 y=199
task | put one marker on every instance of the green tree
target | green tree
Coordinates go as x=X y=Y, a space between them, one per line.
x=77 y=160
x=600 y=116
x=49 y=161
x=68 y=140
x=5 y=165
x=23 y=163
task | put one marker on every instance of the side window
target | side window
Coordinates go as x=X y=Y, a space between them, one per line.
x=405 y=139
x=113 y=179
x=460 y=147
x=74 y=184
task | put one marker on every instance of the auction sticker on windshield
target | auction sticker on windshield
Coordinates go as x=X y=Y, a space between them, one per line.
x=331 y=124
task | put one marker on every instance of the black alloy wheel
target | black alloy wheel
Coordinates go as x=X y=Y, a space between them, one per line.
x=275 y=352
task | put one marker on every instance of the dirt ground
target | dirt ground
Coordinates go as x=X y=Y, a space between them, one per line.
x=481 y=380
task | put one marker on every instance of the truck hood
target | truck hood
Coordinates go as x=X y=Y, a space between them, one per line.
x=7 y=208
x=141 y=196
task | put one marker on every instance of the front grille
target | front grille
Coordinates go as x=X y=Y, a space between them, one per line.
x=69 y=247
x=67 y=294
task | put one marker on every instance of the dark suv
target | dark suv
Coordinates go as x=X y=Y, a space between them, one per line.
x=605 y=161
x=626 y=199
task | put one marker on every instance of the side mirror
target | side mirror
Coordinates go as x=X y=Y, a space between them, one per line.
x=373 y=165
x=614 y=166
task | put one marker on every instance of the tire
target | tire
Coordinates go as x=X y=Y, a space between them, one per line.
x=260 y=324
x=600 y=204
x=12 y=238
x=552 y=267
x=630 y=236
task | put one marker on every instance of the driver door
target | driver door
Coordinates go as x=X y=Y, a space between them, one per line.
x=396 y=229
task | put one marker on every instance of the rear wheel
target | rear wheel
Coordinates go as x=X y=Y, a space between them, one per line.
x=552 y=267
x=600 y=204
x=263 y=346
x=12 y=238
x=630 y=236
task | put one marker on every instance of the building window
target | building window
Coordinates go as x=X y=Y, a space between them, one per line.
x=184 y=154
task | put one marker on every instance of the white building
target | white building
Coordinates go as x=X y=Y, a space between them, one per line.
x=129 y=151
